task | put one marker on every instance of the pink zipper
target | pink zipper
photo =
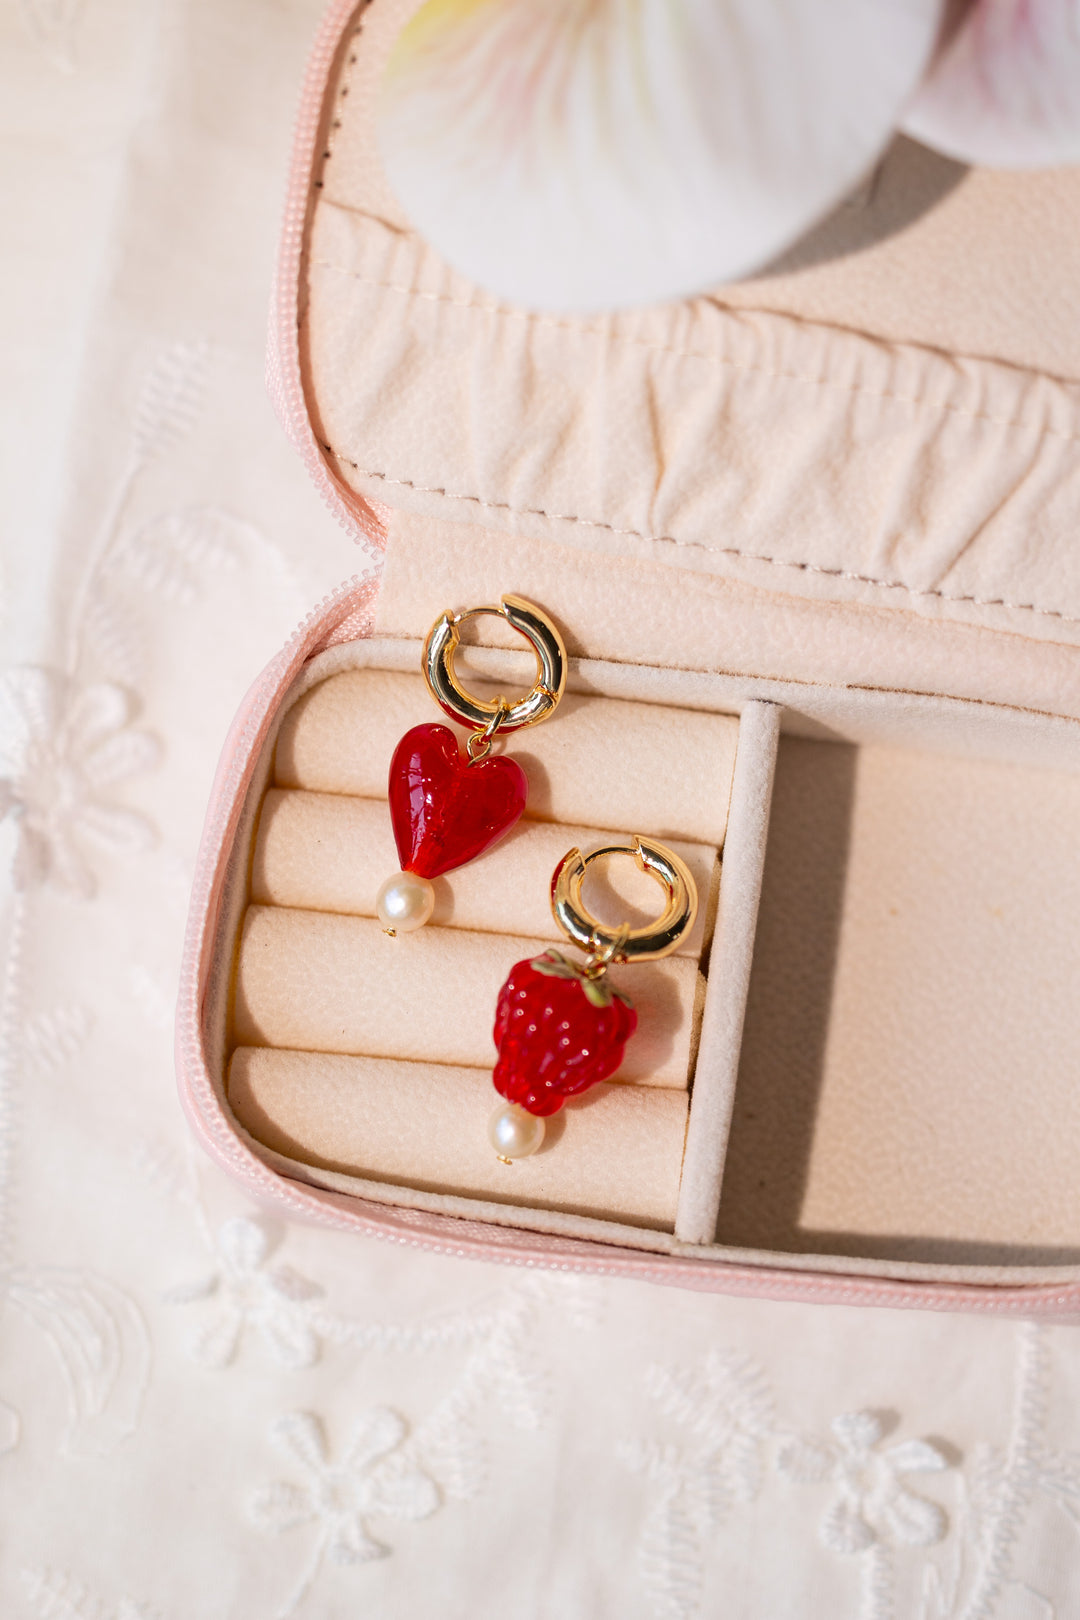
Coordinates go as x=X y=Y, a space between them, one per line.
x=348 y=612
x=365 y=521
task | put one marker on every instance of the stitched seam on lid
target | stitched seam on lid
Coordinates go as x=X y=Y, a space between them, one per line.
x=343 y=90
x=701 y=545
x=849 y=389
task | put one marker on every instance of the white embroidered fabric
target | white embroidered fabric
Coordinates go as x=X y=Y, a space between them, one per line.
x=207 y=1415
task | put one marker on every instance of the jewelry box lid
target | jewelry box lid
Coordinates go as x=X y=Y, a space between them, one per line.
x=890 y=421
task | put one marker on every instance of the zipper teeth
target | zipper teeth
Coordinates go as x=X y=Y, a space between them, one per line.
x=568 y=1254
x=242 y=745
x=284 y=379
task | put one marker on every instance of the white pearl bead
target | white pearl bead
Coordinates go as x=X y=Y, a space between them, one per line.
x=405 y=902
x=514 y=1132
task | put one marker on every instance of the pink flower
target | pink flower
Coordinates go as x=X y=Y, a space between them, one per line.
x=597 y=154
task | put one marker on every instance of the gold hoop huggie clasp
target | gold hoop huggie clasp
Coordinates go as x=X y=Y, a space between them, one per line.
x=624 y=944
x=451 y=696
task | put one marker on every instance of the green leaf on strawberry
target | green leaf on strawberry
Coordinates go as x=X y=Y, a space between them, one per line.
x=600 y=992
x=554 y=965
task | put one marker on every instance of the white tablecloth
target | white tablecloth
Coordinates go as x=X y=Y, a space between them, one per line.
x=206 y=1415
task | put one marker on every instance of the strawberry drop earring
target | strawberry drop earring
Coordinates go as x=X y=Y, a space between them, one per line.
x=448 y=807
x=560 y=1026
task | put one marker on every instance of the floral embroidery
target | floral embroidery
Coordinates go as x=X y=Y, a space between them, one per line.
x=98 y=1336
x=871 y=1502
x=372 y=1480
x=56 y=1595
x=61 y=747
x=54 y=1038
x=250 y=1293
x=725 y=1411
x=174 y=553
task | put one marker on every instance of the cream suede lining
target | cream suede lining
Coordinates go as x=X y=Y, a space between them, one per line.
x=908 y=1081
x=721 y=1031
x=739 y=505
x=948 y=1205
x=332 y=851
x=785 y=452
x=886 y=1105
x=652 y=616
x=340 y=738
x=315 y=974
x=319 y=982
x=425 y=1124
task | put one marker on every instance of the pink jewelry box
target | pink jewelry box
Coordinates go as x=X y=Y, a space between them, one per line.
x=858 y=544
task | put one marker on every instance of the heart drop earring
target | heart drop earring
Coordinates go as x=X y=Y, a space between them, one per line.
x=447 y=807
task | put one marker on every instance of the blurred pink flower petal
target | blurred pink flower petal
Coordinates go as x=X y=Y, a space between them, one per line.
x=591 y=154
x=1006 y=91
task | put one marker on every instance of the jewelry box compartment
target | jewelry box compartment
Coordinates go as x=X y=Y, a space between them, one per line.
x=901 y=1100
x=909 y=1079
x=368 y=1058
x=797 y=509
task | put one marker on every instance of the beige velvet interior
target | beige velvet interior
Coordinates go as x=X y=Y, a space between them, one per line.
x=321 y=982
x=906 y=1085
x=424 y=1125
x=891 y=417
x=838 y=501
x=911 y=1058
x=360 y=1054
x=903 y=1098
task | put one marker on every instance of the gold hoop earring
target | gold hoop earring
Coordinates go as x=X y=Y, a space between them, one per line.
x=560 y=1026
x=447 y=807
x=487 y=718
x=645 y=944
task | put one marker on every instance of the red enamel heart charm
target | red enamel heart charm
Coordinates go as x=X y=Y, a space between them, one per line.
x=446 y=810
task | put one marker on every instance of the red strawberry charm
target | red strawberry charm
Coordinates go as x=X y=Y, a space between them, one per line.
x=559 y=1028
